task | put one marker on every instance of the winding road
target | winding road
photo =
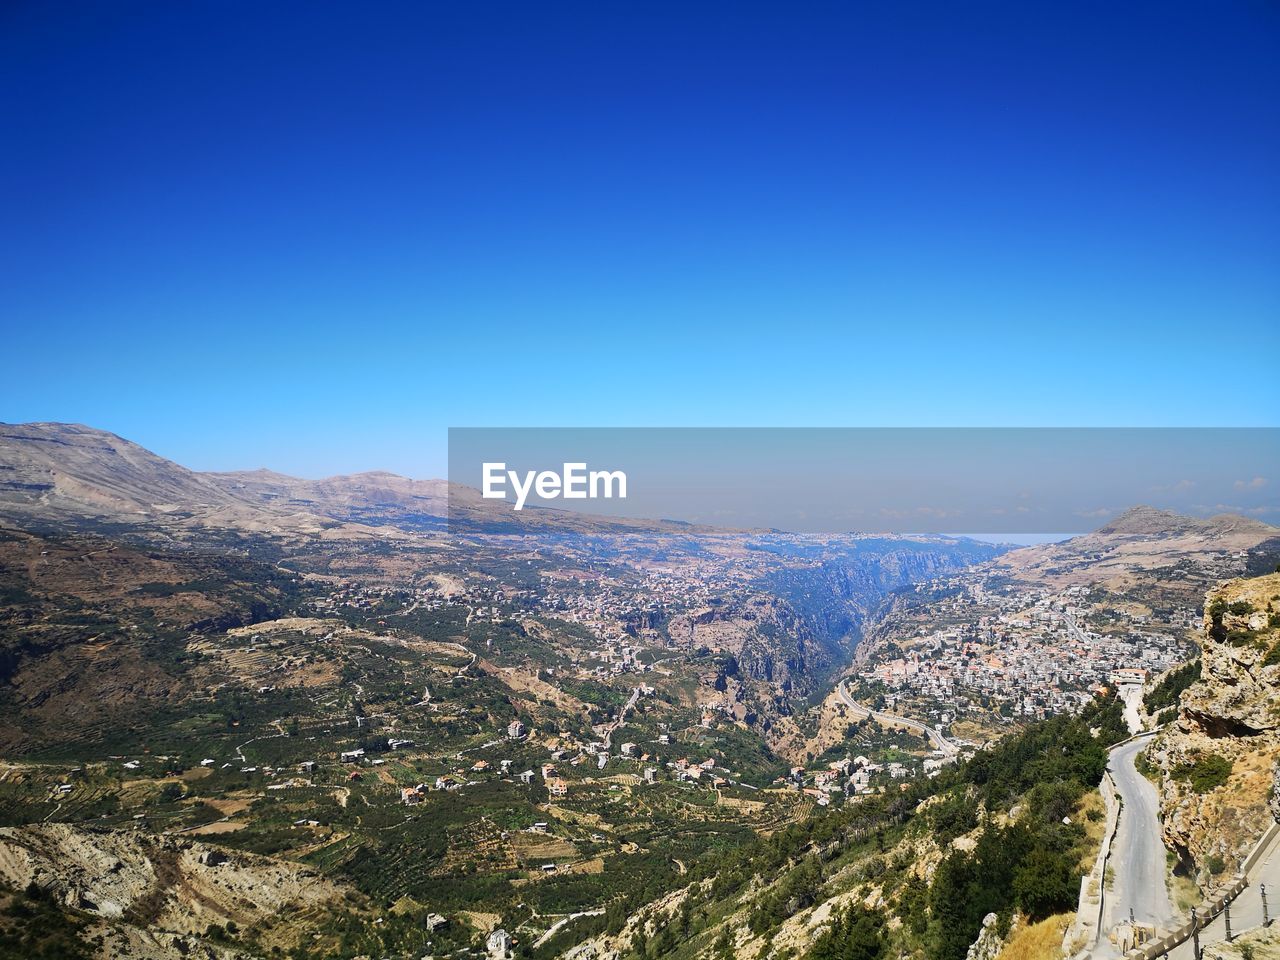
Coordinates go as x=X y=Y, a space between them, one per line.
x=555 y=927
x=1138 y=857
x=622 y=718
x=1137 y=864
x=888 y=719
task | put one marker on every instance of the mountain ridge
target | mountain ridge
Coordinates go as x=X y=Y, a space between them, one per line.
x=101 y=477
x=1145 y=520
x=64 y=476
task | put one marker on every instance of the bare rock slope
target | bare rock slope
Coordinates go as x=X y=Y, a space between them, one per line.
x=166 y=888
x=64 y=475
x=1218 y=762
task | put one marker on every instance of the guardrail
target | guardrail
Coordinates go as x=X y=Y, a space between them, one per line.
x=1214 y=907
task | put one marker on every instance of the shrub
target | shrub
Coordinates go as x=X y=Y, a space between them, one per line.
x=1205 y=773
x=1167 y=692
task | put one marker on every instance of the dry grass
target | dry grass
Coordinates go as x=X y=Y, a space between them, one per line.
x=217 y=827
x=1185 y=893
x=1093 y=829
x=594 y=865
x=538 y=847
x=1039 y=941
x=477 y=920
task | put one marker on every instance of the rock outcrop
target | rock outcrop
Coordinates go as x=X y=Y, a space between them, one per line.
x=162 y=886
x=989 y=942
x=1219 y=760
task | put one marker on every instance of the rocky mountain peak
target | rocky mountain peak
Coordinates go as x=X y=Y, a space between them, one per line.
x=1146 y=521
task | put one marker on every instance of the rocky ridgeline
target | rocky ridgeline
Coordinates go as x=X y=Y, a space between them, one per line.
x=1218 y=762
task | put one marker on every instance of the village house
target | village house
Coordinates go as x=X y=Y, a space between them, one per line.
x=499 y=945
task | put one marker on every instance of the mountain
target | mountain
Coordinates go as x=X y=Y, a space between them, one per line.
x=66 y=477
x=605 y=737
x=51 y=471
x=1144 y=522
x=782 y=612
x=59 y=476
x=376 y=497
x=1145 y=546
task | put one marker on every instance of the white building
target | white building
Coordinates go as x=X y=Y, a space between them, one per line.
x=499 y=944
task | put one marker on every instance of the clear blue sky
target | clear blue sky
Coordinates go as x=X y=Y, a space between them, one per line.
x=313 y=236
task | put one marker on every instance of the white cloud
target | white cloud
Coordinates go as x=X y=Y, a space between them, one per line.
x=1257 y=483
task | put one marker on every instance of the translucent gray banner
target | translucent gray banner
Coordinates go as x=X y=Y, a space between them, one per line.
x=831 y=480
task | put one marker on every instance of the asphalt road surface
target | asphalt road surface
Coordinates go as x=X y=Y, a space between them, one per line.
x=1138 y=852
x=933 y=734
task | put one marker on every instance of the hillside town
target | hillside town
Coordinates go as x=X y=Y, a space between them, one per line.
x=1026 y=653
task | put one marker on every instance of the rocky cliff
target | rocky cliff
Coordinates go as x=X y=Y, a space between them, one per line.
x=1218 y=762
x=168 y=891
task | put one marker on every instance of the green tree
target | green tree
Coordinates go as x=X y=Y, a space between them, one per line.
x=1045 y=883
x=856 y=934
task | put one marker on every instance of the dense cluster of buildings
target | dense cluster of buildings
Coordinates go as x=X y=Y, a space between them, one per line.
x=1027 y=654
